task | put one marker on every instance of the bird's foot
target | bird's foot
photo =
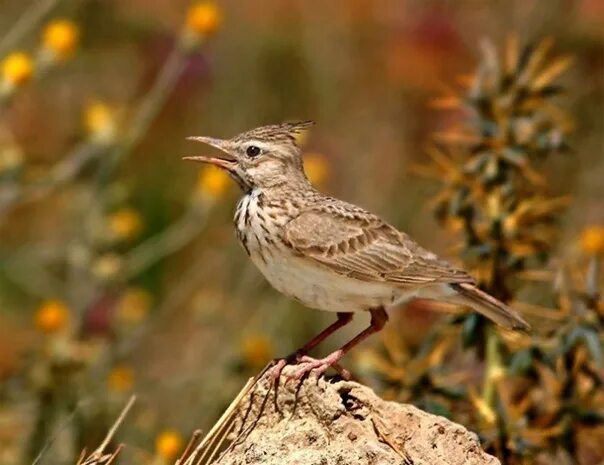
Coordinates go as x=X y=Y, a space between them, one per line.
x=281 y=363
x=317 y=366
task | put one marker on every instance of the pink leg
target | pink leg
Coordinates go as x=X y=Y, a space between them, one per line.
x=343 y=319
x=379 y=317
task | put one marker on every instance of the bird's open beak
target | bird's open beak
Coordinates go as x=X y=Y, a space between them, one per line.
x=228 y=164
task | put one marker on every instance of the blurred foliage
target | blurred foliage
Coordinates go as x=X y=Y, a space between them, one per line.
x=119 y=273
x=538 y=397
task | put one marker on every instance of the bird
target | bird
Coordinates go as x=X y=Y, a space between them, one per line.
x=329 y=254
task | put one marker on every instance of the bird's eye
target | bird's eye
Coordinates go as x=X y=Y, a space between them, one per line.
x=253 y=151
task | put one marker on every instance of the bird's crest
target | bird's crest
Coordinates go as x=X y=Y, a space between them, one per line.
x=293 y=131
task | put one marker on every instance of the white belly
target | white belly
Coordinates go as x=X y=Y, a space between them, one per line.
x=324 y=290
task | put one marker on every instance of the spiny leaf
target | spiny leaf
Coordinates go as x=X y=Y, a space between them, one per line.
x=511 y=54
x=594 y=345
x=551 y=72
x=441 y=159
x=449 y=102
x=469 y=331
x=521 y=361
x=535 y=60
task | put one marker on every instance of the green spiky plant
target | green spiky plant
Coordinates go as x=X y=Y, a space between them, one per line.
x=491 y=187
x=536 y=390
x=495 y=196
x=553 y=400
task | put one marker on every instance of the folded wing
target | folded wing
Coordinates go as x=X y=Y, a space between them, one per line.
x=355 y=243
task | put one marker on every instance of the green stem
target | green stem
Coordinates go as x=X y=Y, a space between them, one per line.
x=26 y=23
x=493 y=367
x=44 y=423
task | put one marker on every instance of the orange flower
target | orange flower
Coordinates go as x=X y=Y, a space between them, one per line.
x=52 y=316
x=17 y=68
x=203 y=19
x=592 y=240
x=120 y=379
x=125 y=223
x=133 y=305
x=212 y=181
x=60 y=37
x=168 y=444
x=316 y=168
x=99 y=122
x=256 y=350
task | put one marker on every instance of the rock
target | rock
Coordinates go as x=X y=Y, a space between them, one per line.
x=322 y=422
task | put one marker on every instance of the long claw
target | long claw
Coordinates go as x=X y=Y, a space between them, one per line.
x=319 y=366
x=306 y=365
x=277 y=369
x=280 y=364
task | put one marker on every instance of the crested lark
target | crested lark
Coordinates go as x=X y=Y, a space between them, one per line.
x=329 y=254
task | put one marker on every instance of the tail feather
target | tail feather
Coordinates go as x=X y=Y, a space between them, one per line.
x=488 y=306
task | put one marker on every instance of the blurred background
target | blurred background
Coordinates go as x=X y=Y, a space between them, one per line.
x=119 y=269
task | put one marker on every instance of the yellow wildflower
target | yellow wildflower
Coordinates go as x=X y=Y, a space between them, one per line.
x=203 y=19
x=11 y=157
x=60 y=38
x=125 y=223
x=168 y=444
x=316 y=168
x=99 y=122
x=120 y=379
x=592 y=240
x=133 y=305
x=212 y=181
x=52 y=316
x=256 y=350
x=107 y=266
x=17 y=68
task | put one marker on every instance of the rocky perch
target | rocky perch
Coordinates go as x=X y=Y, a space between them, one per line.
x=322 y=422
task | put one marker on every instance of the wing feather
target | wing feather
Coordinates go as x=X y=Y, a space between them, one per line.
x=355 y=243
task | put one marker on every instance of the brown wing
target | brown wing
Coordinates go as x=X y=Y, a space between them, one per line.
x=355 y=243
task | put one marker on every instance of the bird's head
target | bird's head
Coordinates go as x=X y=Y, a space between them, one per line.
x=265 y=157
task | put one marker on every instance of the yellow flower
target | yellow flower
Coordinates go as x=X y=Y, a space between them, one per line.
x=125 y=223
x=316 y=168
x=133 y=305
x=11 y=157
x=212 y=181
x=256 y=350
x=60 y=37
x=592 y=240
x=52 y=316
x=168 y=444
x=120 y=379
x=99 y=122
x=203 y=19
x=107 y=266
x=17 y=68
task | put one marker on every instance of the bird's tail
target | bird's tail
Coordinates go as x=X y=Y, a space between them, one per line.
x=487 y=305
